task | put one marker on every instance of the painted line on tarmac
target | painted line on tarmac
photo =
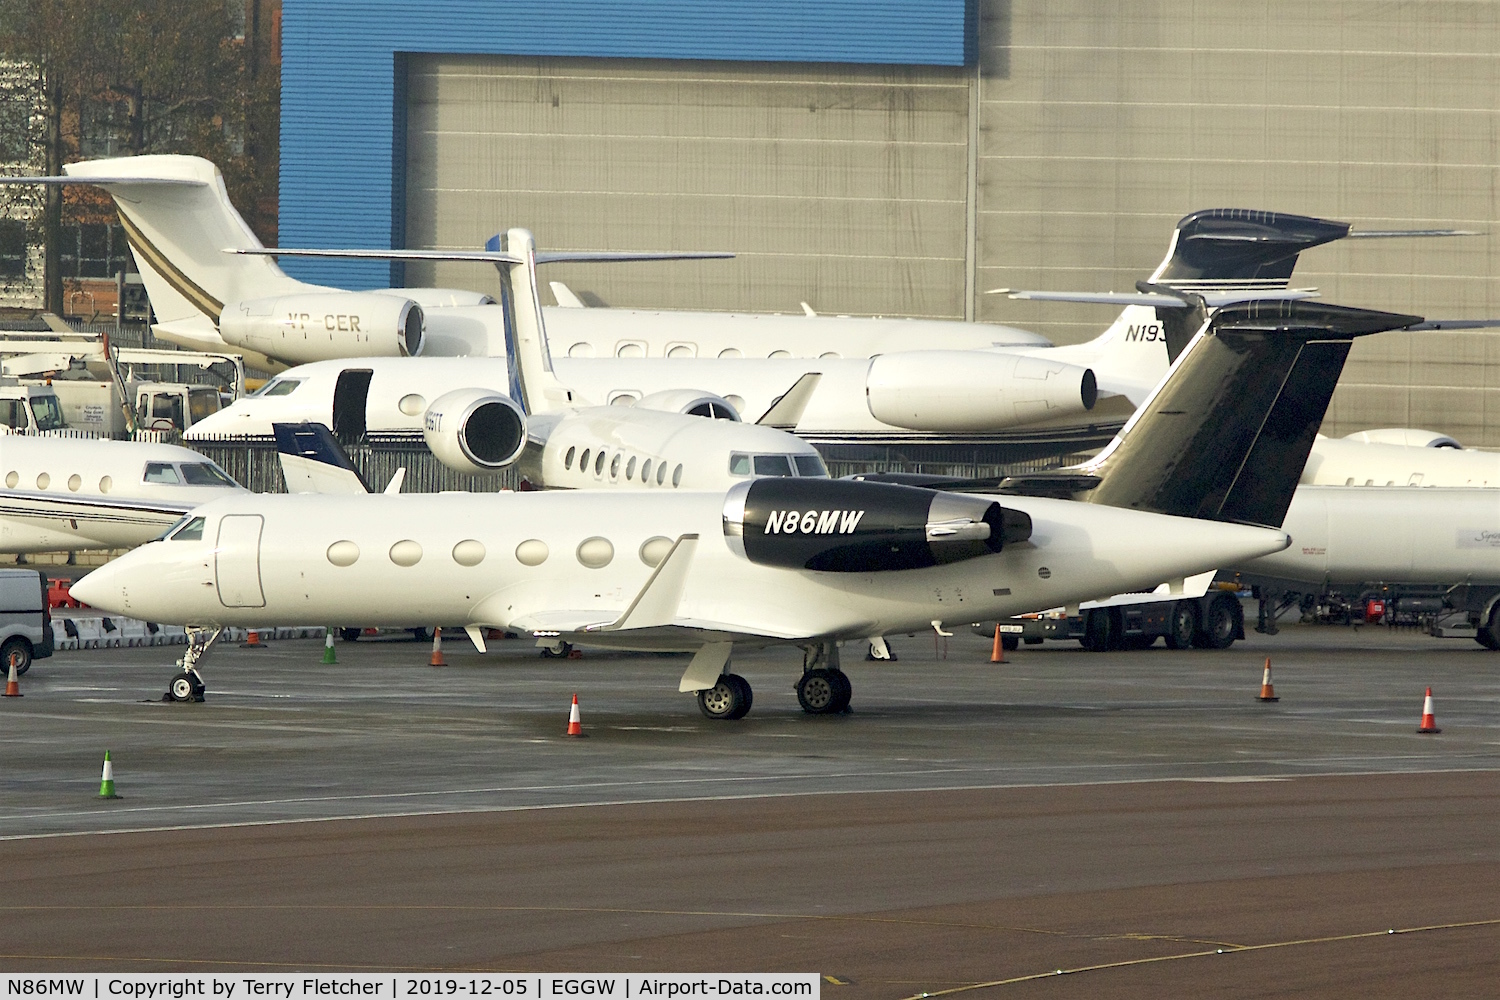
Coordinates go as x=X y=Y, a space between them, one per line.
x=1226 y=950
x=605 y=803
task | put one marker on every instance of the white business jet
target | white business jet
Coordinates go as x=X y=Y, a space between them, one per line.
x=782 y=561
x=62 y=494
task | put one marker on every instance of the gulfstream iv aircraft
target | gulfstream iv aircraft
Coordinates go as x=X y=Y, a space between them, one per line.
x=67 y=494
x=680 y=439
x=803 y=562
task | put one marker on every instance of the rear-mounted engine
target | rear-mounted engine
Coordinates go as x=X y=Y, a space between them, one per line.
x=840 y=526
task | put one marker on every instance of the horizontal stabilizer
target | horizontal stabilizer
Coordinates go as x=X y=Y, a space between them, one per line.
x=480 y=256
x=313 y=462
x=1160 y=300
x=180 y=181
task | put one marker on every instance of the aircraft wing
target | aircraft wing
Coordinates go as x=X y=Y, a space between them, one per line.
x=91 y=509
x=593 y=627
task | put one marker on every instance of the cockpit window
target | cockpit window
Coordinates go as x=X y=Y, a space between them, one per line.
x=810 y=465
x=205 y=474
x=773 y=465
x=279 y=387
x=190 y=532
x=48 y=413
x=161 y=472
x=743 y=464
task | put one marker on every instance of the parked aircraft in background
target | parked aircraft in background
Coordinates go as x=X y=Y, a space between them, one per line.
x=808 y=563
x=69 y=494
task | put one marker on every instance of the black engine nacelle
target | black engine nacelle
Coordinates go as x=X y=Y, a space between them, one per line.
x=840 y=526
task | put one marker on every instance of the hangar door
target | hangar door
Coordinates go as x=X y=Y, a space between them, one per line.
x=842 y=186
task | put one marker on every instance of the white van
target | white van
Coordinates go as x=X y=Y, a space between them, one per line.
x=25 y=619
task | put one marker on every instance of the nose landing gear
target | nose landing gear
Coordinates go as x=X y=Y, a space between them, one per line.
x=188 y=685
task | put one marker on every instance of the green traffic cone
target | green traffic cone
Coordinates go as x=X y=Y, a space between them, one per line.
x=329 y=656
x=107 y=781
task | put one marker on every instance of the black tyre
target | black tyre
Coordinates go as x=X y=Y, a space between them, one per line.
x=727 y=699
x=746 y=696
x=349 y=634
x=1100 y=632
x=1220 y=624
x=1010 y=642
x=843 y=691
x=15 y=653
x=1182 y=626
x=185 y=687
x=1485 y=636
x=561 y=653
x=421 y=634
x=818 y=691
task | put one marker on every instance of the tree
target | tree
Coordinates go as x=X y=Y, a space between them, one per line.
x=126 y=77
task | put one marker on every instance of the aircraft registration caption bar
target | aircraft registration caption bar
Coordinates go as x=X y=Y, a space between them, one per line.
x=529 y=985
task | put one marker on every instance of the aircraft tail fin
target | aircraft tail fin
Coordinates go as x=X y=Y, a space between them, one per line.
x=178 y=219
x=533 y=383
x=1226 y=434
x=312 y=461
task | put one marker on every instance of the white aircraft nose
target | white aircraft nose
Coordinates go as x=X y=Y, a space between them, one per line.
x=103 y=588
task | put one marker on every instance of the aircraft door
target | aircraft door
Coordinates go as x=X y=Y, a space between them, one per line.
x=350 y=397
x=237 y=561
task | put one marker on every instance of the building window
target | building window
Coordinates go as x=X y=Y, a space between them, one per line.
x=12 y=249
x=94 y=250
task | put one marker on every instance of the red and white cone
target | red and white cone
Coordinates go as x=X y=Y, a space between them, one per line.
x=1267 y=692
x=13 y=683
x=575 y=721
x=1429 y=720
x=437 y=649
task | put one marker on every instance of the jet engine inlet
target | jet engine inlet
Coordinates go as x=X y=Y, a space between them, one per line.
x=841 y=526
x=474 y=430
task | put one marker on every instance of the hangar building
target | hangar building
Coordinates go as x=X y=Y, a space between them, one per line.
x=900 y=157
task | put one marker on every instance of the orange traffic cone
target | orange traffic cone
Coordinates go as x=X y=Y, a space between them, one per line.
x=13 y=683
x=1267 y=692
x=575 y=721
x=1429 y=720
x=436 y=659
x=997 y=654
x=252 y=641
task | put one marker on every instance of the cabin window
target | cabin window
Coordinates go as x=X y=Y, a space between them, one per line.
x=677 y=476
x=614 y=467
x=205 y=474
x=568 y=458
x=810 y=465
x=583 y=461
x=646 y=471
x=161 y=472
x=661 y=473
x=190 y=532
x=630 y=468
x=773 y=465
x=599 y=463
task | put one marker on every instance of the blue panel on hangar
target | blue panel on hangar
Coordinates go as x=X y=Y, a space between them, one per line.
x=340 y=61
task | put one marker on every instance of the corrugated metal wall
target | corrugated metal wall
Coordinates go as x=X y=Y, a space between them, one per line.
x=843 y=186
x=339 y=72
x=1102 y=123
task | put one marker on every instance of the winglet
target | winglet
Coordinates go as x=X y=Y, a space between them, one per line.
x=565 y=296
x=657 y=602
x=313 y=462
x=786 y=412
x=394 y=486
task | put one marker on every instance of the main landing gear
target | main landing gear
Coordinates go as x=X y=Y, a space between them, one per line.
x=823 y=688
x=188 y=685
x=729 y=698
